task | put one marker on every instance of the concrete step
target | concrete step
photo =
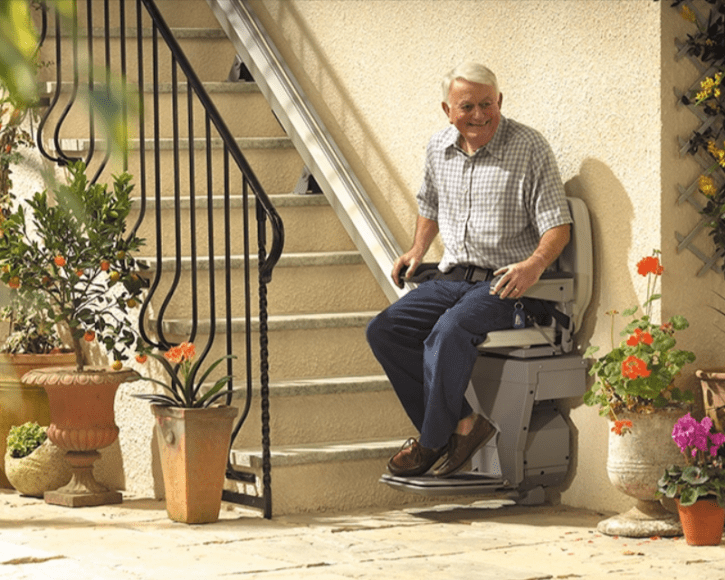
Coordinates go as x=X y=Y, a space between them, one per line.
x=207 y=49
x=242 y=106
x=310 y=224
x=301 y=346
x=176 y=13
x=274 y=160
x=339 y=476
x=304 y=412
x=311 y=282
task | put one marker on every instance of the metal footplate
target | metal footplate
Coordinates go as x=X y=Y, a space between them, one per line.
x=469 y=483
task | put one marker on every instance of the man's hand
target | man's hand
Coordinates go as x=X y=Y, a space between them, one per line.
x=411 y=260
x=517 y=278
x=425 y=231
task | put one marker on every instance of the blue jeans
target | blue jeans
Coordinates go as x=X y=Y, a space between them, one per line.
x=426 y=343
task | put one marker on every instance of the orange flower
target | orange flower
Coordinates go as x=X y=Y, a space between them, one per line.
x=141 y=358
x=634 y=368
x=178 y=354
x=638 y=337
x=649 y=265
x=14 y=282
x=59 y=261
x=105 y=265
x=621 y=427
x=89 y=336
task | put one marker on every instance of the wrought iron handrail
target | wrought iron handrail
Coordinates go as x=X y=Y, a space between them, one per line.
x=235 y=168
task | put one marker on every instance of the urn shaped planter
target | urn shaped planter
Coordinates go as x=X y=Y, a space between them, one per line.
x=81 y=423
x=635 y=463
x=194 y=448
x=20 y=403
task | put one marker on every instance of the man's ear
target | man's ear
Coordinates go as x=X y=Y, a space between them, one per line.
x=446 y=109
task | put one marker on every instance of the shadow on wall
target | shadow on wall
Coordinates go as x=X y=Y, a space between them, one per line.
x=611 y=214
x=367 y=152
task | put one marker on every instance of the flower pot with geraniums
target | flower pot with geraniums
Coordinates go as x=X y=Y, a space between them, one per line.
x=75 y=258
x=33 y=463
x=193 y=435
x=699 y=486
x=635 y=391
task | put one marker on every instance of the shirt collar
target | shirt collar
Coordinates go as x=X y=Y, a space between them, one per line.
x=494 y=147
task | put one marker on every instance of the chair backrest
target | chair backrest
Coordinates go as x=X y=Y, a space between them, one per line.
x=577 y=258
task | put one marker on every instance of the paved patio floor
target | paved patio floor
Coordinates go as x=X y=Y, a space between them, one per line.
x=482 y=540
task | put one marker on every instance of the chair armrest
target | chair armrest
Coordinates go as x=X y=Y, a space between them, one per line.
x=557 y=288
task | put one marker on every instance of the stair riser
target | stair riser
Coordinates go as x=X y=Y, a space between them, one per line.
x=246 y=115
x=195 y=13
x=301 y=354
x=298 y=420
x=309 y=229
x=342 y=486
x=278 y=170
x=311 y=289
x=212 y=58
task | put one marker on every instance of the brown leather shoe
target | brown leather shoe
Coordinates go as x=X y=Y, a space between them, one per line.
x=461 y=447
x=413 y=459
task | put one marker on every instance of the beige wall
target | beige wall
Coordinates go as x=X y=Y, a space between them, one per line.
x=586 y=73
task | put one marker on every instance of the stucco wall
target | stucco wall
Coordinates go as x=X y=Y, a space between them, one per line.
x=586 y=73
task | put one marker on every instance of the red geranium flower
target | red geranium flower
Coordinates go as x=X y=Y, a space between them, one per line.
x=638 y=337
x=633 y=368
x=649 y=265
x=621 y=427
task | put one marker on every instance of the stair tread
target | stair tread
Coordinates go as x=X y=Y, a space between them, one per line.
x=292 y=259
x=236 y=201
x=180 y=326
x=167 y=143
x=287 y=455
x=211 y=87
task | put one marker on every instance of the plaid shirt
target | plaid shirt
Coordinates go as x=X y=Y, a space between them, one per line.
x=492 y=207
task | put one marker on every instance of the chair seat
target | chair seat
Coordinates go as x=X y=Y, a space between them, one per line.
x=522 y=338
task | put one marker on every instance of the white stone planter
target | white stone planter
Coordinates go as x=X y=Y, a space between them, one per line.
x=45 y=469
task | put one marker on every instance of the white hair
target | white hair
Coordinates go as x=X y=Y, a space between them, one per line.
x=471 y=72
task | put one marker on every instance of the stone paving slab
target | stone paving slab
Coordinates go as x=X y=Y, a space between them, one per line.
x=484 y=540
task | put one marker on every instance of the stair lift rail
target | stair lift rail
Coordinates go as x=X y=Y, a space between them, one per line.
x=157 y=163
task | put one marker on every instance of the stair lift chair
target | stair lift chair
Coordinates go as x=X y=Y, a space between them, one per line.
x=517 y=381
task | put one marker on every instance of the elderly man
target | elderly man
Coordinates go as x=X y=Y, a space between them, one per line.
x=493 y=190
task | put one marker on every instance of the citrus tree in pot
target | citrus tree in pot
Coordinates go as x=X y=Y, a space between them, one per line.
x=76 y=261
x=634 y=389
x=193 y=434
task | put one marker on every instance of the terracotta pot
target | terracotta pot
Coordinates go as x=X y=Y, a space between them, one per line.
x=81 y=423
x=45 y=469
x=21 y=403
x=712 y=382
x=635 y=462
x=194 y=447
x=702 y=522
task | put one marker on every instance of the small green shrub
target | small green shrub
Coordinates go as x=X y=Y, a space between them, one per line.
x=24 y=439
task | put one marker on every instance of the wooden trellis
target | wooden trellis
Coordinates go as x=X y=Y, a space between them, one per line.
x=690 y=193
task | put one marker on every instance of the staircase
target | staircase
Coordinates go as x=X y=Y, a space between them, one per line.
x=334 y=417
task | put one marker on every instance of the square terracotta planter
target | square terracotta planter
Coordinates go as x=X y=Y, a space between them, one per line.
x=194 y=447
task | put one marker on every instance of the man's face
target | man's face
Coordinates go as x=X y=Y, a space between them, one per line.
x=475 y=111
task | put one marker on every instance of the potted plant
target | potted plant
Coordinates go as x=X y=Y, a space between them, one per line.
x=699 y=486
x=193 y=435
x=32 y=340
x=634 y=388
x=76 y=261
x=33 y=463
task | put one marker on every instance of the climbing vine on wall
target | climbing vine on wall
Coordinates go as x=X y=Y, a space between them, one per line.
x=705 y=47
